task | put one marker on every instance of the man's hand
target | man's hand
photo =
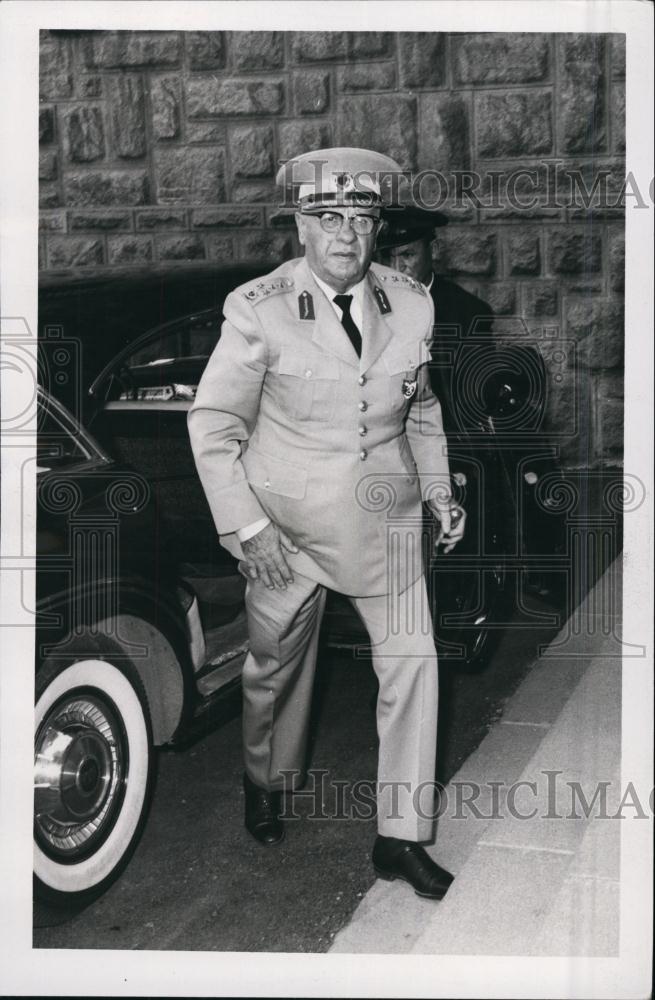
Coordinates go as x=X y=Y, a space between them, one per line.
x=452 y=522
x=264 y=557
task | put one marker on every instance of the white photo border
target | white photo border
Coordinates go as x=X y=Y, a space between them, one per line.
x=49 y=972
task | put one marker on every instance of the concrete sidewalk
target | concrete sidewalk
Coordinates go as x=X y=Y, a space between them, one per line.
x=541 y=886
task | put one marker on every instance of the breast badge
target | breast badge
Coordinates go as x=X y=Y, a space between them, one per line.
x=409 y=387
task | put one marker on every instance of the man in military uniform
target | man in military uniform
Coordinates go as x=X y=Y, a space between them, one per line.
x=317 y=436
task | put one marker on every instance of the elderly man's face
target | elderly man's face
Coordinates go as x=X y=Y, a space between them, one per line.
x=413 y=259
x=340 y=258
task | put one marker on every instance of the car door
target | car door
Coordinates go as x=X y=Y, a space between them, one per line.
x=142 y=399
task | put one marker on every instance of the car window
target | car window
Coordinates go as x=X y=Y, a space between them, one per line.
x=168 y=366
x=195 y=338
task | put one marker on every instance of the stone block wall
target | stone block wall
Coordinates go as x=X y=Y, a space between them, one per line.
x=162 y=147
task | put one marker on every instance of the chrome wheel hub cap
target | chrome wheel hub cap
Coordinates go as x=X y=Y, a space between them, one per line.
x=80 y=765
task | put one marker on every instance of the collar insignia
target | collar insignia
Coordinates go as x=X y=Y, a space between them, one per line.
x=305 y=306
x=382 y=300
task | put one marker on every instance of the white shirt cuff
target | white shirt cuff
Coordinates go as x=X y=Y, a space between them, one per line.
x=243 y=534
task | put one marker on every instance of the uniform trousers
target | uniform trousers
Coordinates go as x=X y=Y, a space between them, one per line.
x=278 y=678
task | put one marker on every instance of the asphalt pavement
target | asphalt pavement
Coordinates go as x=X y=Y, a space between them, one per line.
x=198 y=881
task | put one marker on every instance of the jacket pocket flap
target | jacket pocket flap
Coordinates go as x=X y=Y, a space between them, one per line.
x=407 y=359
x=309 y=368
x=274 y=475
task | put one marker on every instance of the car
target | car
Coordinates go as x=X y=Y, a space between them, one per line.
x=126 y=661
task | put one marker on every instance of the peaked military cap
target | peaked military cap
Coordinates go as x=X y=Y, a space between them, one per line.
x=406 y=223
x=337 y=176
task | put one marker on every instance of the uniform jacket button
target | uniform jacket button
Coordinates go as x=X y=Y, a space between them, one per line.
x=362 y=431
x=363 y=455
x=363 y=406
x=362 y=379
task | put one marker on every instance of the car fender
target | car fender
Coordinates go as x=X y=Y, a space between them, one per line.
x=157 y=665
x=148 y=633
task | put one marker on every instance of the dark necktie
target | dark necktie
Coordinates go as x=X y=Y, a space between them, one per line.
x=348 y=323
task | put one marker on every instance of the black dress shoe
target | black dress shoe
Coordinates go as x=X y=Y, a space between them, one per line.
x=263 y=813
x=410 y=862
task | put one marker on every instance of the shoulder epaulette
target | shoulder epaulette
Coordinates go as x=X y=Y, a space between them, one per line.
x=266 y=287
x=398 y=280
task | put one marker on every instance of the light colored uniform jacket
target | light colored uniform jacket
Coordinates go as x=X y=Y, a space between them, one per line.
x=336 y=450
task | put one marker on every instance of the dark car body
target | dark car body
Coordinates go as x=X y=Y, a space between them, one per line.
x=130 y=655
x=86 y=498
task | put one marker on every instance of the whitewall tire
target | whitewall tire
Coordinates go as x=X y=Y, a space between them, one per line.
x=93 y=765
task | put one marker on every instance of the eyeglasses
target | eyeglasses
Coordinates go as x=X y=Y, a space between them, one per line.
x=332 y=222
